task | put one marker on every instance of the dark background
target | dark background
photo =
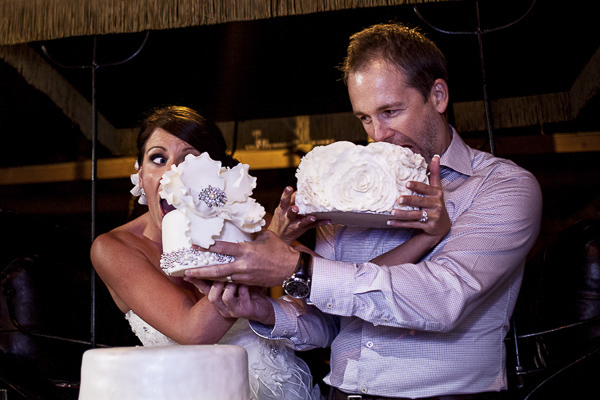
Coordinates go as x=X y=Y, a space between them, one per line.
x=284 y=67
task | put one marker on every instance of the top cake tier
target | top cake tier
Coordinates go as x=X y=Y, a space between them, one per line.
x=345 y=177
x=208 y=202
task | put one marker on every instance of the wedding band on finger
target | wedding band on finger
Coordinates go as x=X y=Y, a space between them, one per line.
x=424 y=216
x=229 y=279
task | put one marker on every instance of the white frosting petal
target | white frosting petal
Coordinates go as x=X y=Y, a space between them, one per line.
x=239 y=184
x=173 y=189
x=247 y=216
x=204 y=230
x=315 y=176
x=199 y=172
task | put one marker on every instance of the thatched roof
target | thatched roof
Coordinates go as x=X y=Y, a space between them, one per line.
x=24 y=21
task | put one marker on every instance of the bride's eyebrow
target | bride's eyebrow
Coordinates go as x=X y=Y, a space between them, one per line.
x=155 y=147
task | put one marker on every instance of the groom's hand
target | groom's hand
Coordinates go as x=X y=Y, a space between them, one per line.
x=267 y=261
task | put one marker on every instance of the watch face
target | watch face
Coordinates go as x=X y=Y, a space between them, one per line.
x=297 y=288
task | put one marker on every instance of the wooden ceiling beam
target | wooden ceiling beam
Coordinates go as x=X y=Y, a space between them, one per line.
x=122 y=167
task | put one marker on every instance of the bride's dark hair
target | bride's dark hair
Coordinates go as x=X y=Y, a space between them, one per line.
x=189 y=126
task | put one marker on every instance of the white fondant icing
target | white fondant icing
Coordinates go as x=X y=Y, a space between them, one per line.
x=216 y=372
x=274 y=371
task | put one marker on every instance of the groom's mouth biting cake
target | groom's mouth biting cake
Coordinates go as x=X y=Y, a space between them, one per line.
x=204 y=202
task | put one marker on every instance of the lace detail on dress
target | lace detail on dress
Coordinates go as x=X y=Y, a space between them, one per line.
x=146 y=333
x=275 y=372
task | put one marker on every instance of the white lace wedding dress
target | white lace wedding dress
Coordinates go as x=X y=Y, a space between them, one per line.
x=275 y=370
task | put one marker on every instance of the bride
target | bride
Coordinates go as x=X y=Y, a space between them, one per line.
x=166 y=310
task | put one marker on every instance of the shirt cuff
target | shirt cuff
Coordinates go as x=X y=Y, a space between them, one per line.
x=332 y=287
x=285 y=321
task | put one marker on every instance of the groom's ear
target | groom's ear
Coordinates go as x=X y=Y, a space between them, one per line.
x=439 y=95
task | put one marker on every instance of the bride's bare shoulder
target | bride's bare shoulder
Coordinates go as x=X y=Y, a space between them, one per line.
x=125 y=239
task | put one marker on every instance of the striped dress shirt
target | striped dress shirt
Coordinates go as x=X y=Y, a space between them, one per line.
x=435 y=327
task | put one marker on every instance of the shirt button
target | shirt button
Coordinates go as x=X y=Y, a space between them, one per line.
x=369 y=344
x=285 y=332
x=364 y=389
x=330 y=305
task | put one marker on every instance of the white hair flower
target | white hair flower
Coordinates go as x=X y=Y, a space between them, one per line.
x=137 y=191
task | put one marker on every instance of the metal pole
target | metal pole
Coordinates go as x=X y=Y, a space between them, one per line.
x=480 y=32
x=486 y=101
x=94 y=201
x=94 y=67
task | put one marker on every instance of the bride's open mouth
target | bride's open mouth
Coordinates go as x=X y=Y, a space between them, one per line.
x=165 y=207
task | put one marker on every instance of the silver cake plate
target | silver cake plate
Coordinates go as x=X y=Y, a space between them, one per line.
x=356 y=219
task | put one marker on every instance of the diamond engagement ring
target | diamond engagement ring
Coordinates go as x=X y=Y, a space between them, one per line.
x=229 y=279
x=424 y=217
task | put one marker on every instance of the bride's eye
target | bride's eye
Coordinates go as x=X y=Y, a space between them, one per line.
x=158 y=159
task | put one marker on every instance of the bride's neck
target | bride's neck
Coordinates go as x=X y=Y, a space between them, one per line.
x=150 y=231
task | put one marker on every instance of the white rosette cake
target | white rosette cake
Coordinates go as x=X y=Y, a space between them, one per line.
x=211 y=203
x=344 y=177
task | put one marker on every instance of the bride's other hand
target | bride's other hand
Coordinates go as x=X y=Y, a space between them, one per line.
x=202 y=285
x=430 y=219
x=431 y=216
x=234 y=300
x=287 y=223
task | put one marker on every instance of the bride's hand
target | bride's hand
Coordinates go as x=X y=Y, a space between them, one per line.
x=431 y=216
x=287 y=223
x=234 y=300
x=202 y=285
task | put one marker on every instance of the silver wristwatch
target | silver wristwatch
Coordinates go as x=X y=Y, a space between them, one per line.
x=298 y=285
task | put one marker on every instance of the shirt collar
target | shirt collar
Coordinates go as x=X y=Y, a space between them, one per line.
x=458 y=155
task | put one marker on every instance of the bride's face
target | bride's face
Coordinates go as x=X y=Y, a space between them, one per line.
x=161 y=152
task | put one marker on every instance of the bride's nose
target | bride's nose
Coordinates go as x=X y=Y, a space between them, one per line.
x=172 y=163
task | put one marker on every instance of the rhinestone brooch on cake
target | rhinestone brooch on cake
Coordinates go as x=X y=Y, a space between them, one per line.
x=213 y=197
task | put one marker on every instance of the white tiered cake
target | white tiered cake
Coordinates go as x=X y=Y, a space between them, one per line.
x=198 y=372
x=211 y=203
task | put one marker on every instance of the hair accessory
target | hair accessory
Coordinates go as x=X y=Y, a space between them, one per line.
x=137 y=191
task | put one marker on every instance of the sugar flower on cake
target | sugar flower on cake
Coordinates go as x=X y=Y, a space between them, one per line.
x=365 y=186
x=315 y=174
x=209 y=195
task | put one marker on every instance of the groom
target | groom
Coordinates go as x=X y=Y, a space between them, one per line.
x=431 y=328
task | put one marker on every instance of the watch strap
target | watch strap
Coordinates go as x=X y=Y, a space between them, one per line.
x=304 y=266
